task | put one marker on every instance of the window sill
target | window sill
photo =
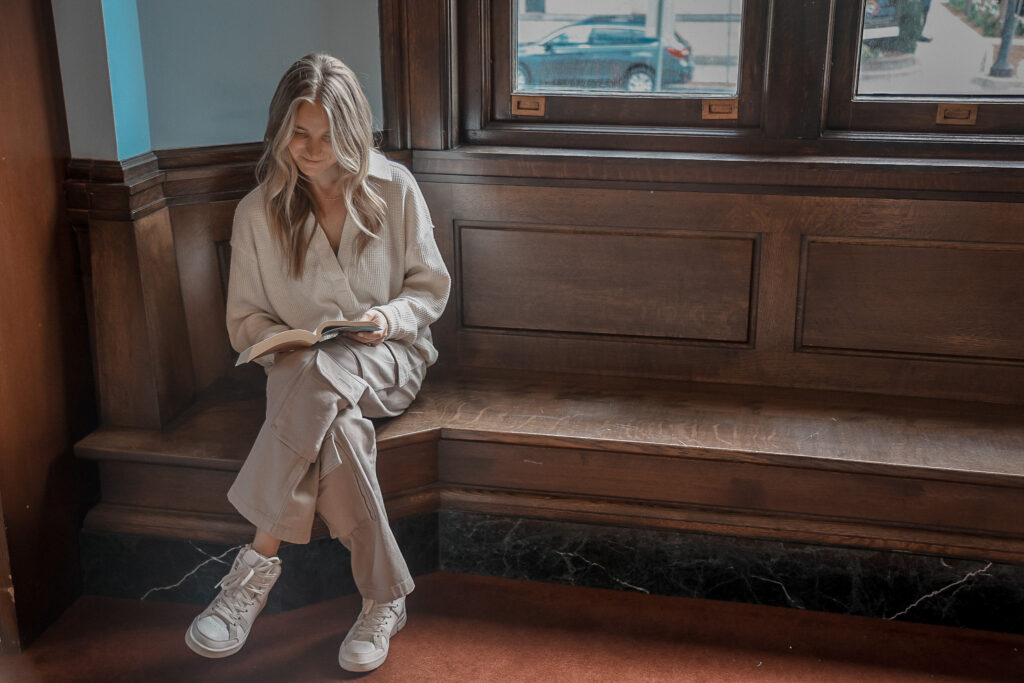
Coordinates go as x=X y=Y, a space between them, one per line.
x=958 y=178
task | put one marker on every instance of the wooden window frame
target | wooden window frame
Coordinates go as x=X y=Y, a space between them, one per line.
x=847 y=111
x=593 y=120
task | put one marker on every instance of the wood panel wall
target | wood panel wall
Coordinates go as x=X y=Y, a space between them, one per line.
x=46 y=397
x=855 y=289
x=916 y=297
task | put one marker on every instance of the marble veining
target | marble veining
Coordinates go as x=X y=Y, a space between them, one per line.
x=881 y=584
x=181 y=570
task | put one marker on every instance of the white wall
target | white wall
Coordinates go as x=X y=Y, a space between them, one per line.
x=212 y=65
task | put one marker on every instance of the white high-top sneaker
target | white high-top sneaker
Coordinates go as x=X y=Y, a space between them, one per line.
x=222 y=628
x=366 y=645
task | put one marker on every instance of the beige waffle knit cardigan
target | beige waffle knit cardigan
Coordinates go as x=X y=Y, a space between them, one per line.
x=401 y=274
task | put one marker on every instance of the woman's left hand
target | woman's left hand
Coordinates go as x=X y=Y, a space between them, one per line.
x=371 y=338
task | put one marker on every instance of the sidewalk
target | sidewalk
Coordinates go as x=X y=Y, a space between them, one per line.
x=946 y=66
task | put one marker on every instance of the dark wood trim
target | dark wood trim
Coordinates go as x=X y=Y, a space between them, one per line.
x=394 y=73
x=432 y=77
x=173 y=177
x=487 y=38
x=132 y=189
x=128 y=171
x=795 y=83
x=245 y=153
x=796 y=92
x=957 y=179
x=755 y=495
x=10 y=639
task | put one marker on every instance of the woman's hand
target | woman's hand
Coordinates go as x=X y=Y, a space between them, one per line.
x=371 y=338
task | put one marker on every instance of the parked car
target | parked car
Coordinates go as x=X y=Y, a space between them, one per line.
x=602 y=53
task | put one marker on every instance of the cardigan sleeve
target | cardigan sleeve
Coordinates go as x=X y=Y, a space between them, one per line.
x=249 y=314
x=425 y=287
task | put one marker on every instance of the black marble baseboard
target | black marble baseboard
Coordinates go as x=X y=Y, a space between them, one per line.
x=176 y=570
x=882 y=584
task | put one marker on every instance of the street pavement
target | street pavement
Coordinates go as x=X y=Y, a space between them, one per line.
x=948 y=65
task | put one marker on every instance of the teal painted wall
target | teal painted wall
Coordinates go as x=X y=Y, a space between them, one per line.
x=127 y=77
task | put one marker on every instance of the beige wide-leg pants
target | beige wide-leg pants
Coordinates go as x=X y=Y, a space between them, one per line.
x=317 y=451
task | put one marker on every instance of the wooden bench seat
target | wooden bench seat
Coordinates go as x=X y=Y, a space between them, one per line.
x=835 y=468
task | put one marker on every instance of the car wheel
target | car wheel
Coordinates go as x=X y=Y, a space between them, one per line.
x=522 y=77
x=640 y=79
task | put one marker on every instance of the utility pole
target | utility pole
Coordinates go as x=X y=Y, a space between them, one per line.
x=666 y=29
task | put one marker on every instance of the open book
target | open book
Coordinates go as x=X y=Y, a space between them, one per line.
x=296 y=338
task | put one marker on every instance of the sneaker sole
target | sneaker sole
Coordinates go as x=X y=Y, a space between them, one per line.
x=362 y=667
x=204 y=651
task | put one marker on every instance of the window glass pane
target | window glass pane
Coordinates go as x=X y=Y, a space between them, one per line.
x=674 y=47
x=941 y=48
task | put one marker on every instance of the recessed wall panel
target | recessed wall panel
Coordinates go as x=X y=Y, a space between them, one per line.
x=944 y=299
x=602 y=281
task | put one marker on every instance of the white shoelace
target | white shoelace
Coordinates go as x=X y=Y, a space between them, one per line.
x=374 y=624
x=241 y=587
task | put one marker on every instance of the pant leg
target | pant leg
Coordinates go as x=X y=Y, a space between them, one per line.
x=276 y=487
x=349 y=499
x=316 y=452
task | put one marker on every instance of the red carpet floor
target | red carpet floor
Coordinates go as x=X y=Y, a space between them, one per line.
x=468 y=628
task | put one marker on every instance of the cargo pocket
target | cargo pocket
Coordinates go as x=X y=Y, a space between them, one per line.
x=306 y=413
x=346 y=500
x=403 y=368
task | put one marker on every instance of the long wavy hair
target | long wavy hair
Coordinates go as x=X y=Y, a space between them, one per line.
x=319 y=79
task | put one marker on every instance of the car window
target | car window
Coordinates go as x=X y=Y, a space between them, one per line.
x=606 y=36
x=573 y=35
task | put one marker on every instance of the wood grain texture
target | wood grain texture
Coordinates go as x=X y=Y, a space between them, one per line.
x=431 y=74
x=166 y=324
x=10 y=639
x=950 y=299
x=719 y=168
x=796 y=78
x=198 y=229
x=885 y=498
x=822 y=467
x=124 y=370
x=46 y=394
x=144 y=361
x=395 y=72
x=619 y=282
x=496 y=330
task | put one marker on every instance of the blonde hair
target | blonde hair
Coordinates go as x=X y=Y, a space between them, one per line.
x=323 y=80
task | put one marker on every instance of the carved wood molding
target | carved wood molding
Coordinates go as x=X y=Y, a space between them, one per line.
x=134 y=188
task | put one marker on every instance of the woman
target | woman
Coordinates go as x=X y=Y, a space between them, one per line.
x=333 y=231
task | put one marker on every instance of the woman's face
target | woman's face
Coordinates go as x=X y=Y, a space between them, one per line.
x=310 y=145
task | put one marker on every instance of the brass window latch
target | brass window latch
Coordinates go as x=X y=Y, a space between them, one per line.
x=527 y=105
x=720 y=109
x=957 y=114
